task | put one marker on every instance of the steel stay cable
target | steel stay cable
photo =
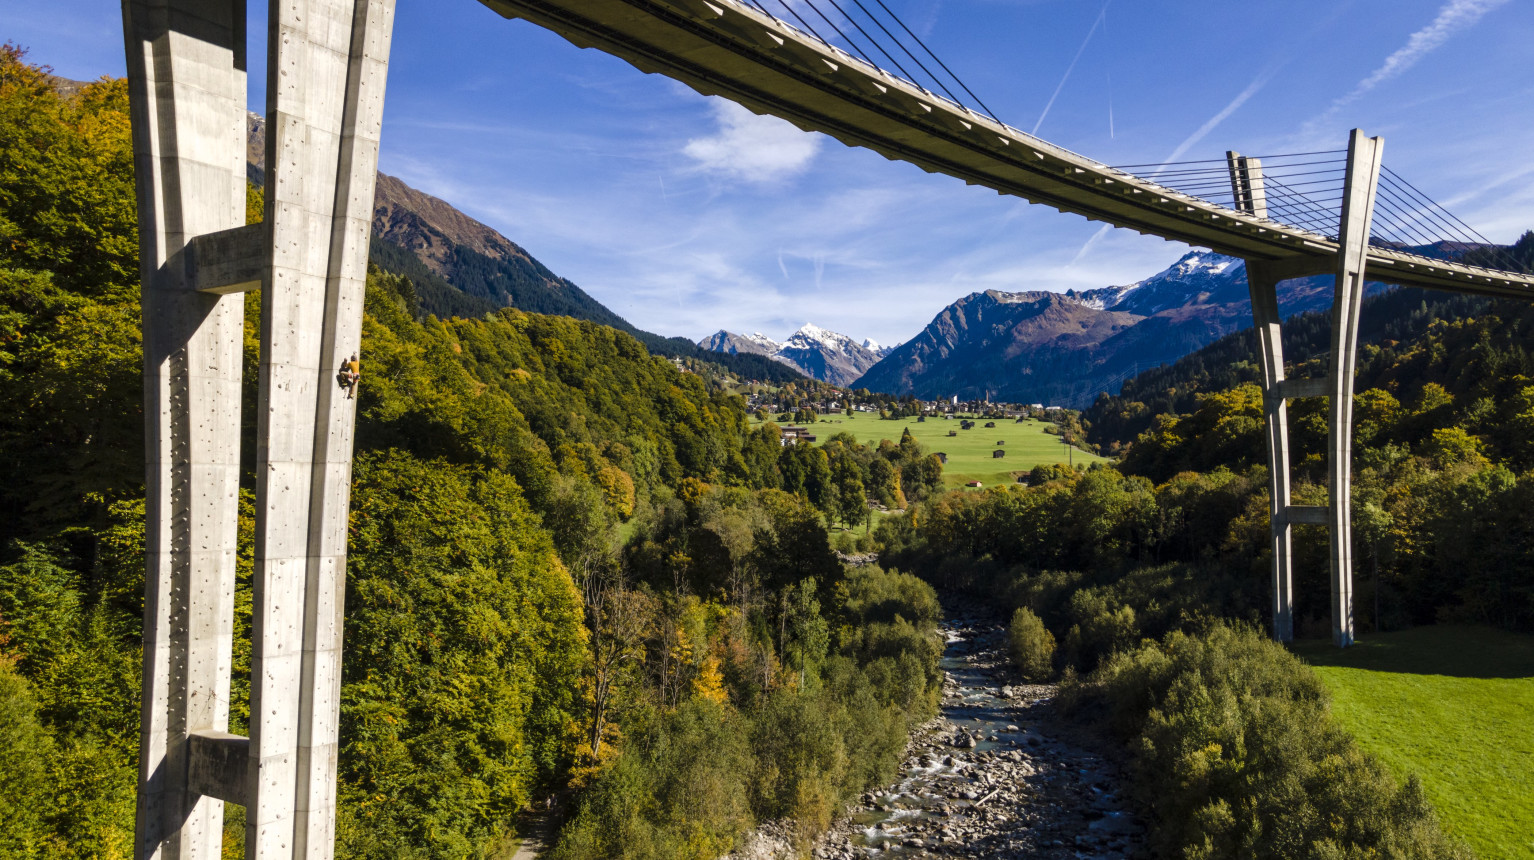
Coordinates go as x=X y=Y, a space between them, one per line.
x=1456 y=236
x=1299 y=217
x=862 y=54
x=1418 y=211
x=1300 y=201
x=1402 y=180
x=1310 y=216
x=1460 y=236
x=893 y=38
x=1393 y=231
x=1407 y=222
x=1424 y=216
x=1398 y=229
x=812 y=31
x=901 y=45
x=939 y=60
x=872 y=40
x=1223 y=161
x=1428 y=216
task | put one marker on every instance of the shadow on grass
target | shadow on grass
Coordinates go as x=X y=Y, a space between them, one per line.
x=1452 y=650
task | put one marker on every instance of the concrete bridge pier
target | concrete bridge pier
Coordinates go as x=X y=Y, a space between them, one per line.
x=327 y=61
x=1263 y=277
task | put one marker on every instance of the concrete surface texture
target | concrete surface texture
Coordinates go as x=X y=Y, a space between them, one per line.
x=186 y=58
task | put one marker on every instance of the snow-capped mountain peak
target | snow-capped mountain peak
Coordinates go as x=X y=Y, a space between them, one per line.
x=764 y=341
x=817 y=352
x=1196 y=274
x=812 y=332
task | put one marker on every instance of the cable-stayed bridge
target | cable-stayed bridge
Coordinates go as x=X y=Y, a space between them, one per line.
x=738 y=50
x=847 y=68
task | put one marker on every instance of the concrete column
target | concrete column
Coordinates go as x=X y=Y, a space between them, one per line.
x=1263 y=285
x=1262 y=281
x=186 y=72
x=346 y=281
x=1362 y=179
x=1246 y=184
x=327 y=66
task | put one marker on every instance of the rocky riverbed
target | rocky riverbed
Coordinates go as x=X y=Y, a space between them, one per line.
x=995 y=776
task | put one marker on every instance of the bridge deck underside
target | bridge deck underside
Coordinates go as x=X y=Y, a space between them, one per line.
x=721 y=48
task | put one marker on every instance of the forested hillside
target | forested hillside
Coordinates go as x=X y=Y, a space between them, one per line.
x=566 y=556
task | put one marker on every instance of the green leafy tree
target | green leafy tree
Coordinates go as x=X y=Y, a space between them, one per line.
x=1031 y=644
x=462 y=633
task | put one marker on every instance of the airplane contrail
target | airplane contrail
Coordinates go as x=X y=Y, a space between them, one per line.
x=1095 y=23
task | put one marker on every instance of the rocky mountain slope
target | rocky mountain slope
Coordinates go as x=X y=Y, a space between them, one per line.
x=816 y=352
x=1063 y=348
x=755 y=343
x=461 y=267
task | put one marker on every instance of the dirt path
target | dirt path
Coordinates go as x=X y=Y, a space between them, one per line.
x=541 y=830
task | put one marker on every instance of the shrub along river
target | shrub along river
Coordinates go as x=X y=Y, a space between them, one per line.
x=998 y=774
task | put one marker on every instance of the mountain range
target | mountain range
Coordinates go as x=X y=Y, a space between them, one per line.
x=1063 y=348
x=816 y=352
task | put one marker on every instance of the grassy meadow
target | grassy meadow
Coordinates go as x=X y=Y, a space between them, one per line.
x=969 y=453
x=1455 y=706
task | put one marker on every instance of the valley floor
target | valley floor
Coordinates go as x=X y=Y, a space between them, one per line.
x=1455 y=706
x=995 y=776
x=970 y=452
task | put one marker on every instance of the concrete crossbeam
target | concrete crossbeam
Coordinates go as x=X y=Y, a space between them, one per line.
x=1311 y=515
x=216 y=765
x=229 y=261
x=1289 y=389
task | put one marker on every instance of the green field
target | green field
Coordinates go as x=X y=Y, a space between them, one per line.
x=969 y=453
x=1454 y=705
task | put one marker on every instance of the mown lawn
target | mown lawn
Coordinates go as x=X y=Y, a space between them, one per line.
x=969 y=452
x=1455 y=706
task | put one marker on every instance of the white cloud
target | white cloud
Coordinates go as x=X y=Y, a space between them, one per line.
x=750 y=147
x=1453 y=16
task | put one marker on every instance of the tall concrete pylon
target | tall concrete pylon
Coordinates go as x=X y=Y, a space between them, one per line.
x=1263 y=276
x=327 y=62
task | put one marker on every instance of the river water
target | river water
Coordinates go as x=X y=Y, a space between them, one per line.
x=996 y=775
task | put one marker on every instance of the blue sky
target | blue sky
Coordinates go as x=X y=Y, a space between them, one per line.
x=686 y=214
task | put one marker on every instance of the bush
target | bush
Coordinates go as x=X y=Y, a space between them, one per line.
x=1235 y=755
x=678 y=790
x=24 y=750
x=1032 y=645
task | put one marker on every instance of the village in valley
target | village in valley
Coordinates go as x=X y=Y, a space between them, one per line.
x=979 y=442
